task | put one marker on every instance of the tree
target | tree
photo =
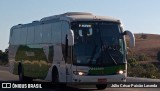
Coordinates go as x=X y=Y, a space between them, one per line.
x=143 y=36
x=6 y=50
x=4 y=56
x=1 y=53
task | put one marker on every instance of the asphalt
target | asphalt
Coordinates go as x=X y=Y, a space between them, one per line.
x=5 y=75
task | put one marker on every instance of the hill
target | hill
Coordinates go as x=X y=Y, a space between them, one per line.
x=147 y=44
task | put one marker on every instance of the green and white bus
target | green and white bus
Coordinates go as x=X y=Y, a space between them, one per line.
x=74 y=47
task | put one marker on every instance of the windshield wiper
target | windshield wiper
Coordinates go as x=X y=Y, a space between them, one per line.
x=102 y=44
x=111 y=56
x=108 y=52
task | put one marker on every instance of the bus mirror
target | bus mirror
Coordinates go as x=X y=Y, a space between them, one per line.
x=131 y=36
x=70 y=37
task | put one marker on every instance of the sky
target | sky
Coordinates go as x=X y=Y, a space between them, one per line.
x=138 y=16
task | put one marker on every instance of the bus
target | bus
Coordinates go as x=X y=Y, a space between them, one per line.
x=74 y=47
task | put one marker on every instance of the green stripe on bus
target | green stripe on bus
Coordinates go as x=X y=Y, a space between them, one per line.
x=106 y=70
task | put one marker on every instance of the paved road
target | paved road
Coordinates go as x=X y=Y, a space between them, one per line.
x=6 y=76
x=4 y=68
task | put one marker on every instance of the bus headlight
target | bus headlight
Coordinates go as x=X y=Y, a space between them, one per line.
x=120 y=72
x=80 y=73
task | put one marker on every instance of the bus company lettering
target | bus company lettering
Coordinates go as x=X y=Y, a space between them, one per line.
x=14 y=85
x=95 y=68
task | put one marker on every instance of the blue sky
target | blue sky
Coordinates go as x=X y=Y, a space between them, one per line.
x=137 y=15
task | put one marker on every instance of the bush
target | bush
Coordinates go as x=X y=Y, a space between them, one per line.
x=142 y=57
x=139 y=57
x=3 y=58
x=151 y=71
x=147 y=71
x=135 y=71
x=132 y=62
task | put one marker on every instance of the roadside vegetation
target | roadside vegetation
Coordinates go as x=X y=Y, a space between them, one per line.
x=3 y=57
x=138 y=69
x=144 y=62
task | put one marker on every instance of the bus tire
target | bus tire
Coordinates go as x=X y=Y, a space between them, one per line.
x=20 y=72
x=101 y=86
x=55 y=76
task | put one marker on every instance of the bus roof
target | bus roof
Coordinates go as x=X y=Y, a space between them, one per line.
x=70 y=16
x=80 y=16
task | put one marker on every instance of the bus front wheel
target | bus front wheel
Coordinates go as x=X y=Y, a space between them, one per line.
x=55 y=76
x=101 y=86
x=20 y=72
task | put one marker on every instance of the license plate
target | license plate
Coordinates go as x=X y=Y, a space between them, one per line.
x=102 y=80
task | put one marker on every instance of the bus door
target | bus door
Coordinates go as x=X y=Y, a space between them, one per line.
x=69 y=65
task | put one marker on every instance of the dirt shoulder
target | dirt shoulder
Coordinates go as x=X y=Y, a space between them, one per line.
x=5 y=75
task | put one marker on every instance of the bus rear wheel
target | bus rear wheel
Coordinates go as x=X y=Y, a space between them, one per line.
x=101 y=86
x=20 y=72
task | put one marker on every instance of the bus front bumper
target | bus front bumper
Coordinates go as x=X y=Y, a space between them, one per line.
x=99 y=79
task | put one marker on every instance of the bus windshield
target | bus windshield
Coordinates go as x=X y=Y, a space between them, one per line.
x=98 y=43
